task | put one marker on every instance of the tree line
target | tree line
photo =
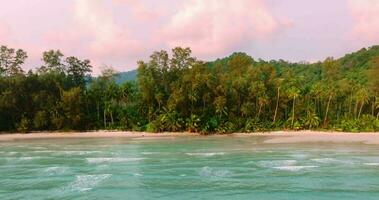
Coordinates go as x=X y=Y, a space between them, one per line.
x=177 y=92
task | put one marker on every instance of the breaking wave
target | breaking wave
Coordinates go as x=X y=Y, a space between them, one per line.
x=111 y=160
x=84 y=183
x=206 y=154
x=295 y=168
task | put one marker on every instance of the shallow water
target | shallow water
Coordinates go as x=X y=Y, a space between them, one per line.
x=187 y=168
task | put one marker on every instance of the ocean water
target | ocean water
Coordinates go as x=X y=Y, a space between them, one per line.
x=187 y=168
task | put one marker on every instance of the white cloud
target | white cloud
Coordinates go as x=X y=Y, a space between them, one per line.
x=216 y=26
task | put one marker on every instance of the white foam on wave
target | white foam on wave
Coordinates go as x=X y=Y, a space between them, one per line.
x=371 y=164
x=52 y=171
x=111 y=160
x=209 y=154
x=79 y=153
x=28 y=158
x=84 y=183
x=299 y=156
x=295 y=168
x=38 y=148
x=334 y=161
x=25 y=158
x=11 y=153
x=149 y=153
x=324 y=160
x=276 y=163
x=43 y=151
x=210 y=172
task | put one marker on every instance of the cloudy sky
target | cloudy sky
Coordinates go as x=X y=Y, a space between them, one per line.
x=120 y=32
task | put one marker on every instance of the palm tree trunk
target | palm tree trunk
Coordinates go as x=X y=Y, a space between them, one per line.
x=373 y=107
x=293 y=110
x=350 y=103
x=277 y=104
x=98 y=111
x=360 y=109
x=259 y=110
x=105 y=119
x=355 y=109
x=327 y=109
x=112 y=117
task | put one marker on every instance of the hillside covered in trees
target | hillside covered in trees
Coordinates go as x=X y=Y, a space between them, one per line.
x=181 y=93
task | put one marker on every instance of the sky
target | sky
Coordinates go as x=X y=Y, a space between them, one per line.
x=118 y=33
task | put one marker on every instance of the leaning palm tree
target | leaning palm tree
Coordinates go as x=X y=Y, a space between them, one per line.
x=329 y=92
x=278 y=84
x=362 y=98
x=293 y=92
x=377 y=106
x=262 y=101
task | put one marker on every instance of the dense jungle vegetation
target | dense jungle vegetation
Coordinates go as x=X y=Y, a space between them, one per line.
x=177 y=92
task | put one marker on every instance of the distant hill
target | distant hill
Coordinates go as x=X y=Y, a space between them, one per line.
x=126 y=76
x=352 y=62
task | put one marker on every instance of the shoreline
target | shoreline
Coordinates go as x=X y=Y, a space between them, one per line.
x=275 y=137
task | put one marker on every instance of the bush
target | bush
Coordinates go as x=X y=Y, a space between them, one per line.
x=193 y=123
x=151 y=127
x=210 y=125
x=367 y=123
x=226 y=127
x=254 y=125
x=41 y=120
x=23 y=126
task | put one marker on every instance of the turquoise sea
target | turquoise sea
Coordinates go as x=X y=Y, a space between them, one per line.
x=187 y=168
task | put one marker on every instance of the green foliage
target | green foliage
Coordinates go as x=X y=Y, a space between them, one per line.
x=169 y=121
x=254 y=125
x=72 y=105
x=210 y=125
x=176 y=92
x=193 y=123
x=151 y=127
x=24 y=125
x=11 y=61
x=41 y=120
x=310 y=120
x=367 y=123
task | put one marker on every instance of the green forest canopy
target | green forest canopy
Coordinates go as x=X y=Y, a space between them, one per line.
x=182 y=93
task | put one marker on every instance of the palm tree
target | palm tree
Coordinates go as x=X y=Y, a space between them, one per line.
x=327 y=107
x=262 y=101
x=277 y=104
x=362 y=98
x=293 y=92
x=377 y=106
x=311 y=119
x=277 y=83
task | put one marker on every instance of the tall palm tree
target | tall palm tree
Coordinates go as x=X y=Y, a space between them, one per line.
x=362 y=98
x=277 y=104
x=293 y=92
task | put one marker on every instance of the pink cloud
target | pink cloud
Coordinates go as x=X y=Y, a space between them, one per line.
x=140 y=9
x=208 y=27
x=93 y=33
x=365 y=14
x=120 y=32
x=215 y=26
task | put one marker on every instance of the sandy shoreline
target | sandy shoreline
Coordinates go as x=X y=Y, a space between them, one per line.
x=95 y=134
x=278 y=137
